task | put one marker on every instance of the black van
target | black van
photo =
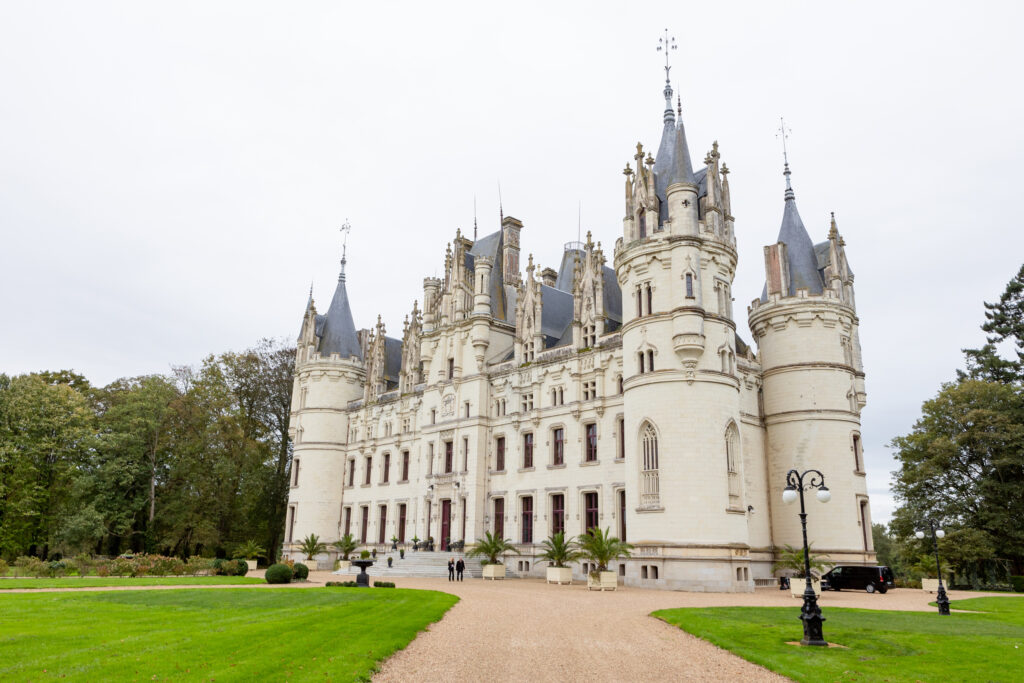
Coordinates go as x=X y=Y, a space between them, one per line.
x=857 y=577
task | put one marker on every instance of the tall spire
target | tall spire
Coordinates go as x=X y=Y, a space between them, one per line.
x=474 y=218
x=666 y=44
x=345 y=229
x=784 y=134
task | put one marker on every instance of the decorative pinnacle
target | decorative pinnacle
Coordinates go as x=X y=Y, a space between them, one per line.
x=783 y=133
x=345 y=229
x=666 y=44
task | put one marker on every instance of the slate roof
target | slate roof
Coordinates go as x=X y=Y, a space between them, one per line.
x=336 y=330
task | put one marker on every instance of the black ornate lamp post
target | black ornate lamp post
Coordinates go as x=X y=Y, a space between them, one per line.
x=940 y=595
x=810 y=613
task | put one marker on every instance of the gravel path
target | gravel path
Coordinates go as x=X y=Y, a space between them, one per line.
x=528 y=630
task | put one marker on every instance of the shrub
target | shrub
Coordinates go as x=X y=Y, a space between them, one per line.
x=85 y=563
x=341 y=584
x=279 y=573
x=30 y=566
x=1016 y=581
x=218 y=567
x=122 y=566
x=56 y=568
x=301 y=571
x=365 y=555
x=241 y=568
x=3 y=567
x=102 y=569
x=199 y=565
x=383 y=584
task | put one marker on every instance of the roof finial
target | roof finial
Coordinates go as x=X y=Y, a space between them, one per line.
x=783 y=133
x=501 y=208
x=679 y=106
x=474 y=218
x=346 y=227
x=666 y=44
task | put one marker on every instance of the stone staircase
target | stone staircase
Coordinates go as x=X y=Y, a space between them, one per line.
x=419 y=563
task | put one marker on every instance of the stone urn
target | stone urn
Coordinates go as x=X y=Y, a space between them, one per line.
x=362 y=578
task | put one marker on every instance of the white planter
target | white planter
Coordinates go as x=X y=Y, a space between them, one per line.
x=606 y=581
x=344 y=565
x=930 y=585
x=798 y=586
x=494 y=571
x=252 y=565
x=559 y=575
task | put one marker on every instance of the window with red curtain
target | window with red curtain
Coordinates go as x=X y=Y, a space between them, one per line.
x=558 y=440
x=558 y=513
x=591 y=441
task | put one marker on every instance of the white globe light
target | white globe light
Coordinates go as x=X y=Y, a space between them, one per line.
x=940 y=533
x=789 y=495
x=824 y=495
x=919 y=534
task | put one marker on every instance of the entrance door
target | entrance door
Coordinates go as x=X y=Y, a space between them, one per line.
x=446 y=523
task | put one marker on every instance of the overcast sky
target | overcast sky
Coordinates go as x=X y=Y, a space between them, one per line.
x=173 y=175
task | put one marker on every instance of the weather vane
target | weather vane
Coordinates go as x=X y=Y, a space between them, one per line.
x=783 y=133
x=345 y=229
x=667 y=43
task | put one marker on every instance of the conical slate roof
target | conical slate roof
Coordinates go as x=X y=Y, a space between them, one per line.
x=803 y=262
x=672 y=164
x=339 y=332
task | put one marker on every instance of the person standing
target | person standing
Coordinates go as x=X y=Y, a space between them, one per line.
x=460 y=567
x=451 y=568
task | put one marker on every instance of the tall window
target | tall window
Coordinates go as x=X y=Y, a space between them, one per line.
x=590 y=510
x=405 y=465
x=295 y=472
x=639 y=302
x=451 y=368
x=291 y=522
x=622 y=515
x=430 y=459
x=383 y=530
x=528 y=450
x=401 y=522
x=348 y=521
x=650 y=300
x=527 y=504
x=620 y=426
x=499 y=517
x=732 y=449
x=640 y=361
x=558 y=513
x=351 y=472
x=448 y=456
x=689 y=286
x=387 y=468
x=433 y=416
x=364 y=521
x=650 y=495
x=865 y=525
x=642 y=222
x=465 y=454
x=558 y=446
x=590 y=451
x=499 y=453
x=650 y=360
x=369 y=469
x=858 y=461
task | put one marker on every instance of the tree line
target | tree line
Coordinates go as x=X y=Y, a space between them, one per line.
x=963 y=462
x=194 y=462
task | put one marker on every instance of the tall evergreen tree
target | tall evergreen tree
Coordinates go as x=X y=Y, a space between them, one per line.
x=1004 y=321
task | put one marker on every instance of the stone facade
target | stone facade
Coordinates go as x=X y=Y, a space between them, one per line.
x=525 y=402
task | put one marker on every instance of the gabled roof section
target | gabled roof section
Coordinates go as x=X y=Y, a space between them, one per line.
x=557 y=311
x=392 y=358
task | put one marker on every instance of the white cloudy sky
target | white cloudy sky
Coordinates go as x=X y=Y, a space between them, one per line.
x=172 y=175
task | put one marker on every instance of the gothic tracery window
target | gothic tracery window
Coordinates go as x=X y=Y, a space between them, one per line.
x=650 y=495
x=732 y=449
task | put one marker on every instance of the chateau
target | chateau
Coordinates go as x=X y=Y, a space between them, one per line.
x=528 y=400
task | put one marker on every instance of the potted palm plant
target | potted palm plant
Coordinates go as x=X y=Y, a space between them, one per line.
x=250 y=551
x=394 y=542
x=345 y=547
x=311 y=546
x=558 y=552
x=600 y=547
x=791 y=560
x=489 y=548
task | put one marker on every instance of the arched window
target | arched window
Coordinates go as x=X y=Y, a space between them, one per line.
x=650 y=495
x=732 y=454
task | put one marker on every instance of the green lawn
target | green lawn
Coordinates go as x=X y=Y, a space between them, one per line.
x=879 y=646
x=100 y=582
x=231 y=634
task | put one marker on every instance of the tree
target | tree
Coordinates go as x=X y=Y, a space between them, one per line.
x=491 y=547
x=792 y=559
x=1004 y=321
x=886 y=548
x=346 y=546
x=559 y=551
x=600 y=547
x=250 y=550
x=963 y=464
x=311 y=546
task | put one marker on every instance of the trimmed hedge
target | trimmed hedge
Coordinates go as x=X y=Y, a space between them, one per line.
x=279 y=573
x=300 y=571
x=1018 y=583
x=383 y=584
x=341 y=584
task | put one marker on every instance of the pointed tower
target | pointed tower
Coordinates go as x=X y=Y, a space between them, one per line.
x=805 y=325
x=329 y=373
x=684 y=466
